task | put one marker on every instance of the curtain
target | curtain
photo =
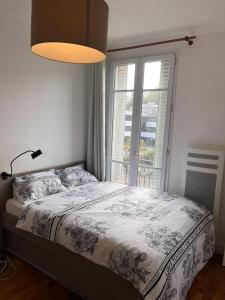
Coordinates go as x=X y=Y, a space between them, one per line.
x=96 y=161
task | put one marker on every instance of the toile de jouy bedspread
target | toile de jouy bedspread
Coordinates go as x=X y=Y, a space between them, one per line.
x=157 y=241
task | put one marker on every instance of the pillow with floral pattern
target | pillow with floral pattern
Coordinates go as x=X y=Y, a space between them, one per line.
x=37 y=185
x=75 y=176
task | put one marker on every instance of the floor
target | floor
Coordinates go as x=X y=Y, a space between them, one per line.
x=29 y=284
x=210 y=282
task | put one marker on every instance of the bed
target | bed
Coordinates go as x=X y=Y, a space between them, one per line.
x=109 y=241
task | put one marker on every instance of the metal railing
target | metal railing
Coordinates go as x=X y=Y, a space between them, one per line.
x=147 y=177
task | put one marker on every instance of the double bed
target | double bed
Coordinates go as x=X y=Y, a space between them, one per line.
x=109 y=241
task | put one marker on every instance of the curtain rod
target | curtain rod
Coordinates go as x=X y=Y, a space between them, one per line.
x=188 y=39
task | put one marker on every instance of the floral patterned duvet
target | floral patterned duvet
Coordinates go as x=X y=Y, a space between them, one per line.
x=157 y=241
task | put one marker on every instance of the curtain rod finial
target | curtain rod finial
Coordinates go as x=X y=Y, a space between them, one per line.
x=190 y=41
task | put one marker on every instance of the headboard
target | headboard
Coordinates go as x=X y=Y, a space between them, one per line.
x=6 y=190
x=203 y=177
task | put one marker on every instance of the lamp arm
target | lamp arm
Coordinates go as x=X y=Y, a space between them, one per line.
x=28 y=151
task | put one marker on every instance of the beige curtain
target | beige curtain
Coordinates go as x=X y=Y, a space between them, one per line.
x=96 y=161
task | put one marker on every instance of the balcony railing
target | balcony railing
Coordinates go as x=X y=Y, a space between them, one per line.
x=147 y=177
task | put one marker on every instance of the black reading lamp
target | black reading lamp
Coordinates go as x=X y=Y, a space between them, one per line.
x=33 y=155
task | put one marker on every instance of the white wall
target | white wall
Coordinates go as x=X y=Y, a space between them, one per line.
x=43 y=104
x=199 y=113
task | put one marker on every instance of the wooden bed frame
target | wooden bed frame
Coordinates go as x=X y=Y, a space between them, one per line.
x=81 y=276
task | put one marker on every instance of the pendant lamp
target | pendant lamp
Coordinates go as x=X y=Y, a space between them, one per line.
x=72 y=31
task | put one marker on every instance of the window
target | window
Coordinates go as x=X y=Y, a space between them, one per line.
x=141 y=95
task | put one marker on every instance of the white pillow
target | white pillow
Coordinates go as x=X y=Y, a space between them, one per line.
x=37 y=185
x=75 y=176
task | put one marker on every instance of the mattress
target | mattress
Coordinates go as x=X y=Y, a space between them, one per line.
x=158 y=242
x=14 y=207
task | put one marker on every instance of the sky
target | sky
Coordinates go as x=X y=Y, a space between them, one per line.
x=152 y=72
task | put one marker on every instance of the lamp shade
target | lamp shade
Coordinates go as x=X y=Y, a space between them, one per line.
x=73 y=31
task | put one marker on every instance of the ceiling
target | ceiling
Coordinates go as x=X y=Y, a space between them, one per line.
x=134 y=21
x=142 y=20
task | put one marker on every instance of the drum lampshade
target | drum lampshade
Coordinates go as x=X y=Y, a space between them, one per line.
x=72 y=31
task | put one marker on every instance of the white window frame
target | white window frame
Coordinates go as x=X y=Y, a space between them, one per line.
x=137 y=107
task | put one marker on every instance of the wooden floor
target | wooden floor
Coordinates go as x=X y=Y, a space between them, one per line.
x=210 y=282
x=29 y=284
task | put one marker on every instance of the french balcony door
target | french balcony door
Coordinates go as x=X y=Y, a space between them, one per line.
x=141 y=93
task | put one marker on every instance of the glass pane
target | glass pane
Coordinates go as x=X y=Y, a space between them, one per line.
x=122 y=126
x=124 y=77
x=151 y=136
x=154 y=84
x=156 y=75
x=120 y=172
